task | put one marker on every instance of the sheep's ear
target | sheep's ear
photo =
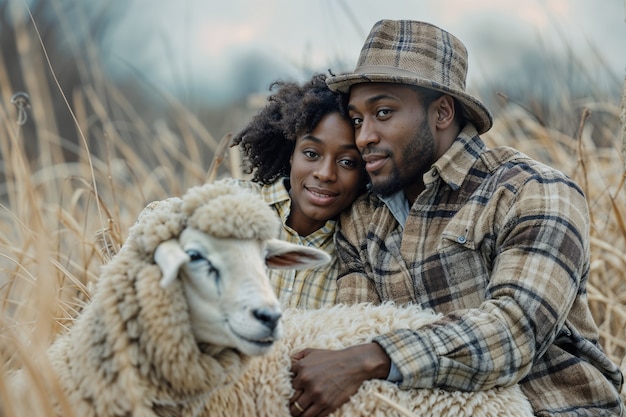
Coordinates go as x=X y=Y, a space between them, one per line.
x=169 y=256
x=286 y=255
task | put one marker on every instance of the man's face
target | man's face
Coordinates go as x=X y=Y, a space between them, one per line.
x=393 y=135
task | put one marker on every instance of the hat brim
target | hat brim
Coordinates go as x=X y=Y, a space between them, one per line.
x=477 y=113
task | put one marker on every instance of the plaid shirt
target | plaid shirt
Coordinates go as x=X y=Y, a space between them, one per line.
x=499 y=244
x=308 y=288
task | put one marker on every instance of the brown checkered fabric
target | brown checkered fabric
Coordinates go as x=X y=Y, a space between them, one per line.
x=498 y=243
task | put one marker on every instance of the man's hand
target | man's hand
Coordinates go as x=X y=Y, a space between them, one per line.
x=325 y=379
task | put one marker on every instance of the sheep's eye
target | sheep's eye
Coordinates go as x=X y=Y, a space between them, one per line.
x=194 y=255
x=197 y=260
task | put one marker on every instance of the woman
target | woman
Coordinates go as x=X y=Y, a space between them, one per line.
x=300 y=150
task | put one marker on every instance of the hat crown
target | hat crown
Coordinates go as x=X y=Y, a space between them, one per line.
x=415 y=49
x=420 y=54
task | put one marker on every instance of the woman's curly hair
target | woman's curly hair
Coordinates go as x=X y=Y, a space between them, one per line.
x=293 y=110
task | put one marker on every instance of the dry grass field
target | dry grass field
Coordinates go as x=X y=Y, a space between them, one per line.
x=67 y=200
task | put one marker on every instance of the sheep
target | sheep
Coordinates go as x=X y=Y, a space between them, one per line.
x=264 y=389
x=178 y=312
x=183 y=322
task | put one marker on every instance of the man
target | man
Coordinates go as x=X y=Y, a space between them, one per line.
x=496 y=241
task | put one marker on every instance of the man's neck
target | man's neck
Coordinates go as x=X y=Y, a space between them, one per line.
x=411 y=192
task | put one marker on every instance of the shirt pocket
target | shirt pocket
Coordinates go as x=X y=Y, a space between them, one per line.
x=463 y=264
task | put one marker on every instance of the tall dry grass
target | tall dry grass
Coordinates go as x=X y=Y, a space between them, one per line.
x=68 y=199
x=67 y=202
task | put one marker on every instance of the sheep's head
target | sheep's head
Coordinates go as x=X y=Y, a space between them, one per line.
x=221 y=258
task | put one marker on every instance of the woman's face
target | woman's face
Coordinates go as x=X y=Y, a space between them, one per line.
x=326 y=174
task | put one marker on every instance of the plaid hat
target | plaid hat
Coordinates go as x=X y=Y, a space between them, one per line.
x=415 y=53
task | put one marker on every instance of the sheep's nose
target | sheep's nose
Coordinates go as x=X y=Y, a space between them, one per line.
x=269 y=316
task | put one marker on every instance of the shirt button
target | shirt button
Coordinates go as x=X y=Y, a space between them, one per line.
x=461 y=239
x=434 y=174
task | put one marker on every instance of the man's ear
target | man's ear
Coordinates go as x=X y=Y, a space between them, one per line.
x=444 y=108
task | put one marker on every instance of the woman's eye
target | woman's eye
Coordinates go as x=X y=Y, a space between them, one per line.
x=310 y=154
x=356 y=121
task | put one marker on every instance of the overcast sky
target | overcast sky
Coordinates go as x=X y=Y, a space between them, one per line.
x=214 y=45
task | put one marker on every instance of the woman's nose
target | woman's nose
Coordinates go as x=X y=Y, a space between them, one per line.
x=326 y=170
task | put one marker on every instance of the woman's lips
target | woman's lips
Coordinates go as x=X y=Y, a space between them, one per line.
x=321 y=197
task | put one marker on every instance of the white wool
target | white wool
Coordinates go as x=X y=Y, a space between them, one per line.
x=266 y=382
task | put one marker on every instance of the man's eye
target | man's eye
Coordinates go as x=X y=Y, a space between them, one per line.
x=356 y=121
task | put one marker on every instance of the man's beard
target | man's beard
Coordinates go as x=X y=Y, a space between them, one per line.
x=418 y=155
x=392 y=185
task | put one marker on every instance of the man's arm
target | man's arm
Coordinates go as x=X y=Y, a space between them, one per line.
x=326 y=379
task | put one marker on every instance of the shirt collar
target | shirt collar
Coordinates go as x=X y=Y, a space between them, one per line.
x=455 y=164
x=398 y=205
x=277 y=192
x=277 y=195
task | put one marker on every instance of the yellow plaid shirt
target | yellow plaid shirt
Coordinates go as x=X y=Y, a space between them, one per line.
x=309 y=288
